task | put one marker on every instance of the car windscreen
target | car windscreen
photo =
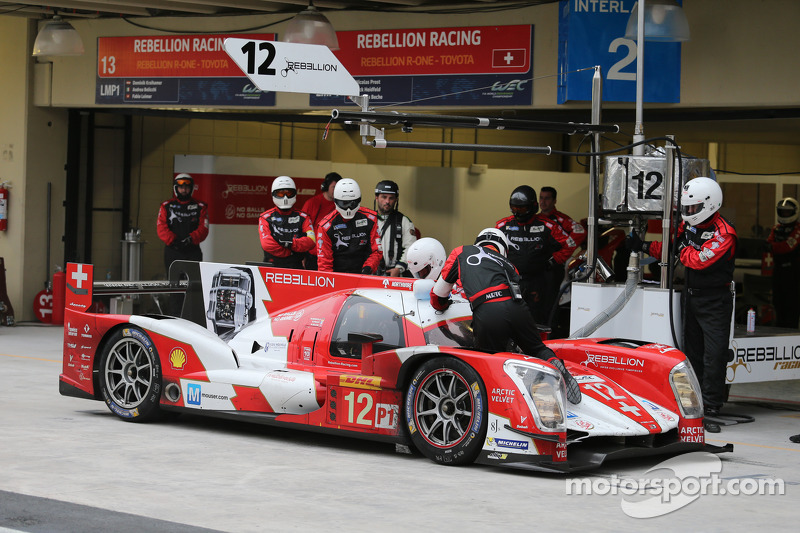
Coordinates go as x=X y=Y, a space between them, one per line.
x=451 y=333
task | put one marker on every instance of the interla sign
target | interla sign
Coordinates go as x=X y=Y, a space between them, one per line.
x=756 y=359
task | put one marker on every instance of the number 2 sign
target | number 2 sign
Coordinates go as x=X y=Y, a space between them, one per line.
x=592 y=32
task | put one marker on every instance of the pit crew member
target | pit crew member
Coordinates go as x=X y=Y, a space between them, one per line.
x=499 y=313
x=347 y=239
x=537 y=245
x=395 y=229
x=182 y=223
x=286 y=234
x=706 y=246
x=784 y=240
x=318 y=207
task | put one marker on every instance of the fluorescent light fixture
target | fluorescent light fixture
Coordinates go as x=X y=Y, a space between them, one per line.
x=58 y=38
x=664 y=21
x=311 y=27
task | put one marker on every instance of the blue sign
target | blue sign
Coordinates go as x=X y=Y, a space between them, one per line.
x=592 y=32
x=193 y=394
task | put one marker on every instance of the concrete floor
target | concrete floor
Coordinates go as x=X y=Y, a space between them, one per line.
x=68 y=464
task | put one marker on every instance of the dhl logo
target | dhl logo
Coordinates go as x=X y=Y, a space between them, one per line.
x=360 y=382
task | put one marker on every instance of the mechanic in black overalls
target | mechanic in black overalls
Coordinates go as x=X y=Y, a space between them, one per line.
x=537 y=245
x=706 y=245
x=396 y=230
x=784 y=240
x=499 y=313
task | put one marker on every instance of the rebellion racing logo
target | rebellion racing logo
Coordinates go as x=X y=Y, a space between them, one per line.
x=613 y=360
x=240 y=188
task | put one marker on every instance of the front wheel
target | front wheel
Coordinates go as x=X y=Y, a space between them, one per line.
x=446 y=412
x=130 y=375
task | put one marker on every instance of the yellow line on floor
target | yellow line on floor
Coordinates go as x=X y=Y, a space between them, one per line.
x=29 y=357
x=796 y=449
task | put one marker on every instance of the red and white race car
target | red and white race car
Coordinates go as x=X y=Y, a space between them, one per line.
x=368 y=356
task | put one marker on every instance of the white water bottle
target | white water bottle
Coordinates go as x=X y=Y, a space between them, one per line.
x=751 y=321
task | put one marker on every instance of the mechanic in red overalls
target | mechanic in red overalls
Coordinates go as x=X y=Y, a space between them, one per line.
x=537 y=245
x=286 y=234
x=182 y=223
x=499 y=313
x=318 y=207
x=706 y=245
x=784 y=240
x=348 y=239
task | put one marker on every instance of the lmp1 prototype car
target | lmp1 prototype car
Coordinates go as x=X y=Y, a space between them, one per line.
x=368 y=356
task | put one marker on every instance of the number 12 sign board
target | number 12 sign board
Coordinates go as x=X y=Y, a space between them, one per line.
x=291 y=67
x=592 y=32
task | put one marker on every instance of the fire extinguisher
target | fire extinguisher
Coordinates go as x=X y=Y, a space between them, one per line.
x=4 y=194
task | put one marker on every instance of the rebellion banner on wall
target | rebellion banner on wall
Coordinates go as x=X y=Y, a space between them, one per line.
x=174 y=69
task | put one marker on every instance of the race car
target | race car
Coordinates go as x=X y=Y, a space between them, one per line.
x=368 y=356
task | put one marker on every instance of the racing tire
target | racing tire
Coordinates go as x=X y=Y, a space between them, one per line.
x=130 y=375
x=446 y=412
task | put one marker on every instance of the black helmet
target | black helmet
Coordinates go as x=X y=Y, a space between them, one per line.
x=182 y=179
x=523 y=203
x=387 y=187
x=330 y=178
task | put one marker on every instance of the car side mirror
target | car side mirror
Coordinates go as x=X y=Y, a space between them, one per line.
x=366 y=340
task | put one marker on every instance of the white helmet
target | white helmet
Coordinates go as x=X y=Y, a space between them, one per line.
x=426 y=258
x=701 y=198
x=284 y=192
x=347 y=197
x=496 y=237
x=788 y=209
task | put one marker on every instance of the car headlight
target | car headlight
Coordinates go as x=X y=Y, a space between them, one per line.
x=687 y=390
x=544 y=391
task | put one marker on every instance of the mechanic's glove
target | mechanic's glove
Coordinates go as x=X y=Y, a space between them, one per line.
x=286 y=244
x=635 y=244
x=184 y=243
x=440 y=303
x=573 y=389
x=366 y=270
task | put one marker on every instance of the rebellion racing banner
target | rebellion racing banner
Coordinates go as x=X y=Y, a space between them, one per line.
x=467 y=66
x=240 y=199
x=174 y=69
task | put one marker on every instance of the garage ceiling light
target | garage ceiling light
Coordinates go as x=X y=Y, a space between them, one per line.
x=58 y=38
x=664 y=21
x=311 y=27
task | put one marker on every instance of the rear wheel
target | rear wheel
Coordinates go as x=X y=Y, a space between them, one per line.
x=446 y=412
x=130 y=375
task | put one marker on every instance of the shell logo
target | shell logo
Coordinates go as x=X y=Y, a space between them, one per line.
x=177 y=358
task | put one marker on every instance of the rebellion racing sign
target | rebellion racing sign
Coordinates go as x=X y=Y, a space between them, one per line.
x=465 y=66
x=758 y=359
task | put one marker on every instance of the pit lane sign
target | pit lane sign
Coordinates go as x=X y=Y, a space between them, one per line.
x=291 y=67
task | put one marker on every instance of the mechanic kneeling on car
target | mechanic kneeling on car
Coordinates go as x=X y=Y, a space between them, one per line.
x=499 y=313
x=706 y=246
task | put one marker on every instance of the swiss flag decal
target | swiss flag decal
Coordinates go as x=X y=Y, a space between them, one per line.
x=505 y=58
